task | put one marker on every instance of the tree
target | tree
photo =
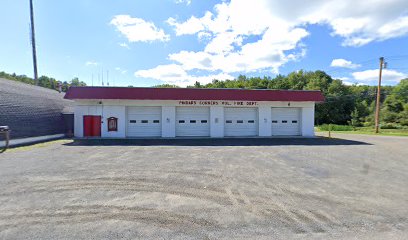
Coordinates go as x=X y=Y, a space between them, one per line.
x=197 y=84
x=355 y=118
x=166 y=85
x=76 y=83
x=401 y=90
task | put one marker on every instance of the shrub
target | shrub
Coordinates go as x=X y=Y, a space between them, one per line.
x=389 y=126
x=335 y=127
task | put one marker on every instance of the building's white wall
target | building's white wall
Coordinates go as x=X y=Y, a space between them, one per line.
x=105 y=112
x=117 y=108
x=169 y=121
x=118 y=112
x=79 y=112
x=217 y=121
x=264 y=118
x=308 y=121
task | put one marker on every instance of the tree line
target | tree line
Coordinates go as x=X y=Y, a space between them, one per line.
x=344 y=104
x=43 y=81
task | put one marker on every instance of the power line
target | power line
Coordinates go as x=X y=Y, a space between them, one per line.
x=397 y=57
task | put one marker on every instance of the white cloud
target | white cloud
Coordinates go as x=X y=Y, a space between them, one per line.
x=122 y=71
x=241 y=36
x=357 y=22
x=175 y=74
x=191 y=26
x=342 y=78
x=91 y=63
x=348 y=83
x=396 y=28
x=371 y=76
x=343 y=63
x=193 y=60
x=124 y=45
x=226 y=52
x=187 y=2
x=353 y=83
x=138 y=30
x=223 y=43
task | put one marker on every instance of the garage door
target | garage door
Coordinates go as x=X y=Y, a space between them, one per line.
x=192 y=121
x=241 y=121
x=286 y=121
x=144 y=122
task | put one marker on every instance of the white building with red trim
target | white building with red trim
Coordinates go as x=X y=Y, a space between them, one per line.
x=121 y=112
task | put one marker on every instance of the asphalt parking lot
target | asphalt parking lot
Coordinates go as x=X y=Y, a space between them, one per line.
x=349 y=188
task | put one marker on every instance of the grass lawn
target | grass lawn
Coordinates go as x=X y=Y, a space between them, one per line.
x=364 y=130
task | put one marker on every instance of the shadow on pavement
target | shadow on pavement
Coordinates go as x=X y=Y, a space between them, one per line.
x=318 y=141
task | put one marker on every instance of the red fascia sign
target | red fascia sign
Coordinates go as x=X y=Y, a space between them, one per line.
x=217 y=103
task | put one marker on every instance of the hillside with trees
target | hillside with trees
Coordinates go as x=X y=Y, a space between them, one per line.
x=43 y=81
x=345 y=105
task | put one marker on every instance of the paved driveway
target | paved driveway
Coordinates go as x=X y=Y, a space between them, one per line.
x=207 y=189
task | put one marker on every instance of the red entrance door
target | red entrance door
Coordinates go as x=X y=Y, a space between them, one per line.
x=92 y=126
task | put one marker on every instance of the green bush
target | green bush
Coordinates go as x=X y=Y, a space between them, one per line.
x=404 y=123
x=389 y=126
x=335 y=127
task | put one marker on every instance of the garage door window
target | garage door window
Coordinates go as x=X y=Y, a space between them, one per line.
x=182 y=121
x=193 y=121
x=274 y=121
x=145 y=121
x=204 y=121
x=294 y=121
x=240 y=121
x=284 y=121
x=156 y=121
x=132 y=121
x=228 y=121
x=251 y=121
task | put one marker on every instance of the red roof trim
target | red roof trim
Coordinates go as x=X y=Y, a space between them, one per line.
x=125 y=93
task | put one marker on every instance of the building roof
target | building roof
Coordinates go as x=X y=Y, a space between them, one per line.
x=32 y=111
x=131 y=93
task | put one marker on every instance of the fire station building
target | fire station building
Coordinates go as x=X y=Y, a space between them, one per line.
x=121 y=112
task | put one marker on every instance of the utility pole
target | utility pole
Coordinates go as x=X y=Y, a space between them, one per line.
x=377 y=106
x=33 y=43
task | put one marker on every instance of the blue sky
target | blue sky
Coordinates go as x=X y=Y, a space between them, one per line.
x=144 y=43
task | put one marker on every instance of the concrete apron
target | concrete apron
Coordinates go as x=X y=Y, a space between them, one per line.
x=31 y=140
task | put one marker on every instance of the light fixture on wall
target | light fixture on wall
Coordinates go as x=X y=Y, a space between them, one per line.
x=168 y=120
x=216 y=120
x=289 y=104
x=265 y=120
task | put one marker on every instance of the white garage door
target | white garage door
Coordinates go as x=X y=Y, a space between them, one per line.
x=286 y=121
x=192 y=121
x=144 y=122
x=241 y=121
